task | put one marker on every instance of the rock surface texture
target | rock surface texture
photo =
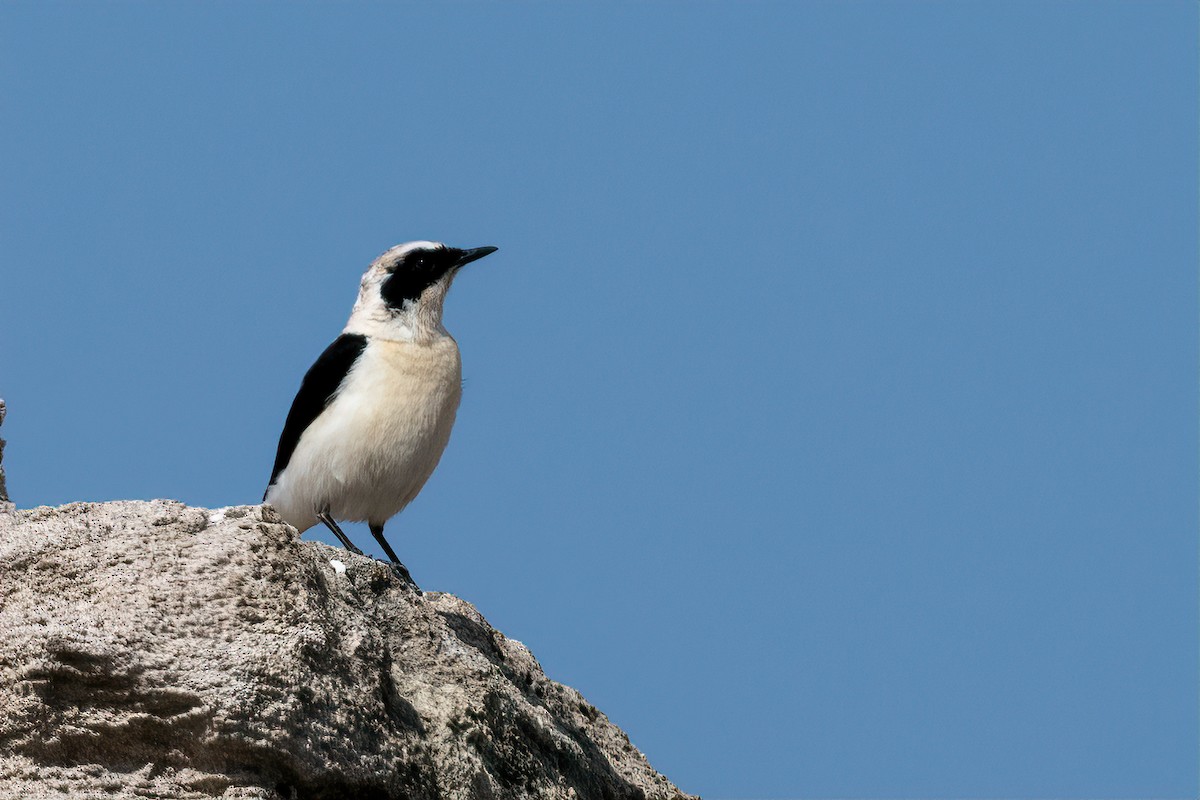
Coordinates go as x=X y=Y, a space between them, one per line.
x=149 y=649
x=3 y=488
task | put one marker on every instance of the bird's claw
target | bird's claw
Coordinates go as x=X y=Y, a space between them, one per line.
x=405 y=576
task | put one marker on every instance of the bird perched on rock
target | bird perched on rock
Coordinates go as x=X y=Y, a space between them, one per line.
x=374 y=412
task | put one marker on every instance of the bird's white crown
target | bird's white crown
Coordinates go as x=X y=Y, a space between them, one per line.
x=402 y=293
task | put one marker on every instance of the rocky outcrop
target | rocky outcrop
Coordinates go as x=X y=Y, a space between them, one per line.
x=4 y=504
x=150 y=649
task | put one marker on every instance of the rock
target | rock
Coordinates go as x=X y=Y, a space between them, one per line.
x=5 y=505
x=156 y=650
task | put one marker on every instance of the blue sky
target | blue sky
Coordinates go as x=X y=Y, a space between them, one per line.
x=830 y=407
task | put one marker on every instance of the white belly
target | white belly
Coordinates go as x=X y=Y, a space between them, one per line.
x=369 y=453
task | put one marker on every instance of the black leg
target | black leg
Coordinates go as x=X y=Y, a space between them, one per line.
x=324 y=517
x=400 y=570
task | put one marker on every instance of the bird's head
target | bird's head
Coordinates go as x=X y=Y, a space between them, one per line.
x=401 y=293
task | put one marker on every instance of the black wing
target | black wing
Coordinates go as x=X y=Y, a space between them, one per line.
x=317 y=390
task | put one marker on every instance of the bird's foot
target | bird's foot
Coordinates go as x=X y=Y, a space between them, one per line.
x=405 y=576
x=328 y=522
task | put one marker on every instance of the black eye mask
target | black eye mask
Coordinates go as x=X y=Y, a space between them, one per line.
x=418 y=271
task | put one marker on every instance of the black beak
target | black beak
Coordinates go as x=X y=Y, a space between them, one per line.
x=474 y=254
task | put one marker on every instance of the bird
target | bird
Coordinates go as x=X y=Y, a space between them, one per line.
x=373 y=414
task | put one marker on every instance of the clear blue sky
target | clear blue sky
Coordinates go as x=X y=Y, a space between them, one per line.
x=831 y=410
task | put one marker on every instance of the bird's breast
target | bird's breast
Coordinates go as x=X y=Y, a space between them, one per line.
x=384 y=432
x=402 y=397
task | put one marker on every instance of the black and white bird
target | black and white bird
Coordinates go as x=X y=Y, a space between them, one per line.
x=373 y=414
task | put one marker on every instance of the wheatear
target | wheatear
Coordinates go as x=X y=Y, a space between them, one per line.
x=374 y=412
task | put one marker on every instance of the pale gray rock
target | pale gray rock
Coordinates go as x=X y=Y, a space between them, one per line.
x=5 y=505
x=150 y=649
